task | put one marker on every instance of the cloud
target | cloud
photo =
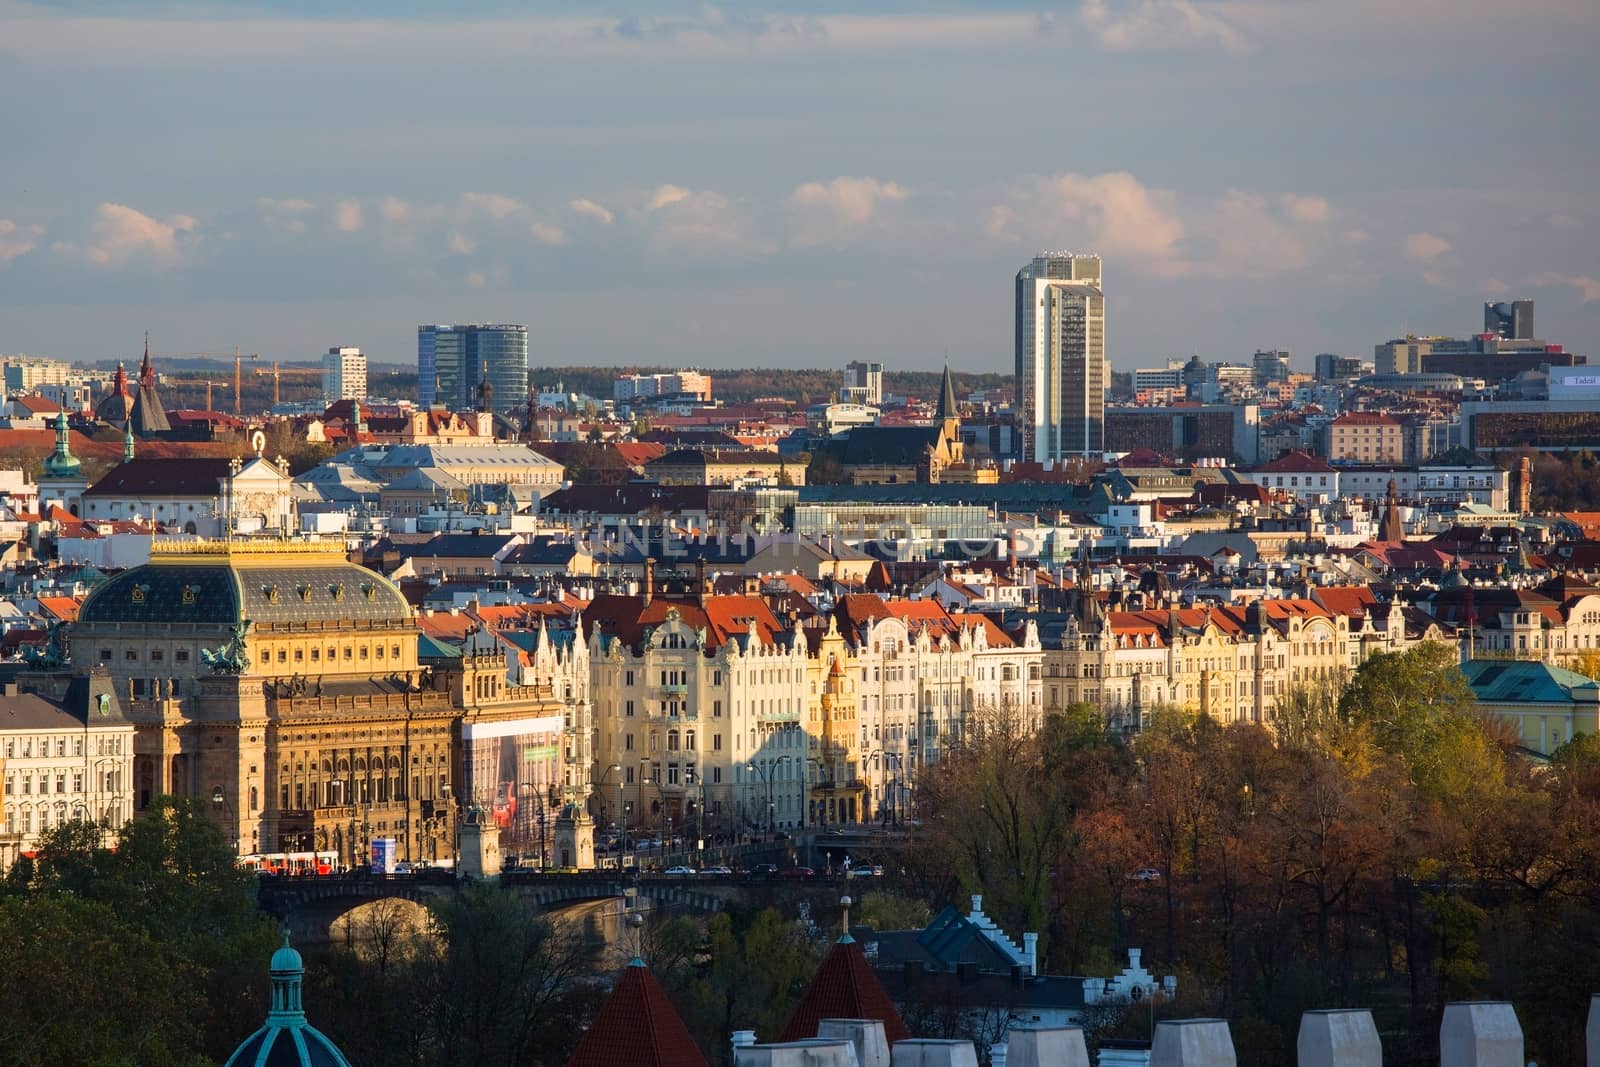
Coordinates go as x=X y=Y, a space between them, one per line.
x=347 y=215
x=592 y=210
x=16 y=240
x=122 y=234
x=547 y=234
x=460 y=244
x=835 y=211
x=1588 y=288
x=1110 y=213
x=393 y=209
x=477 y=279
x=690 y=219
x=1494 y=287
x=285 y=214
x=1422 y=247
x=1159 y=25
x=667 y=195
x=715 y=23
x=494 y=205
x=1433 y=278
x=1307 y=208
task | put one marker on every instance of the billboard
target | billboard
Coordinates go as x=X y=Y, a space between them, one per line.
x=383 y=855
x=510 y=770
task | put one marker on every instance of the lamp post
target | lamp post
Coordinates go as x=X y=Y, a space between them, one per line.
x=817 y=816
x=699 y=786
x=615 y=768
x=766 y=780
x=221 y=806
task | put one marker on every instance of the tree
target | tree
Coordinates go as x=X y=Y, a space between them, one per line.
x=887 y=911
x=1417 y=704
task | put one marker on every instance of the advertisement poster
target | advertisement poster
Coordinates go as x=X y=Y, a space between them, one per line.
x=511 y=769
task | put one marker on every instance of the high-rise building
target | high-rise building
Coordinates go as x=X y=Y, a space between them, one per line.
x=455 y=362
x=1061 y=357
x=1509 y=320
x=1270 y=366
x=344 y=375
x=863 y=384
x=1331 y=367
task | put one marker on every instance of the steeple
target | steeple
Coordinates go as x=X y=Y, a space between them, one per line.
x=62 y=463
x=947 y=409
x=1392 y=531
x=147 y=374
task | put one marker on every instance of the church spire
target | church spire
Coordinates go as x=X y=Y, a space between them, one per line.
x=947 y=409
x=147 y=374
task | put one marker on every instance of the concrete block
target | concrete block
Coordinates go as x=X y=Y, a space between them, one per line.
x=872 y=1048
x=1046 y=1046
x=811 y=1053
x=1341 y=1037
x=1593 y=1033
x=1480 y=1033
x=927 y=1052
x=1193 y=1043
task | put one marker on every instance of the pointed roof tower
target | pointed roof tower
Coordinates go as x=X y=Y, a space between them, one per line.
x=147 y=374
x=1393 y=531
x=62 y=463
x=844 y=988
x=947 y=409
x=637 y=1026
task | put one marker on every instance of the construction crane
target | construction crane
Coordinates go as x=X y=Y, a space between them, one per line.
x=238 y=362
x=276 y=380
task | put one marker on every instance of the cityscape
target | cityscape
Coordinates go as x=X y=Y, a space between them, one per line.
x=938 y=619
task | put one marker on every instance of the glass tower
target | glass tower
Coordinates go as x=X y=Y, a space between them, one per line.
x=454 y=361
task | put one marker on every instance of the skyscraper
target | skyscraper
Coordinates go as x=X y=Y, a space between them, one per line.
x=1509 y=321
x=453 y=362
x=344 y=375
x=1061 y=357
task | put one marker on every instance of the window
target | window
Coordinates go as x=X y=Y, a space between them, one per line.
x=629 y=711
x=716 y=709
x=105 y=655
x=716 y=742
x=61 y=783
x=77 y=746
x=627 y=743
x=132 y=655
x=77 y=781
x=182 y=655
x=156 y=655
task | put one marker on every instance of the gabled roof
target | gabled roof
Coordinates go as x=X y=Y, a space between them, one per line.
x=890 y=446
x=723 y=618
x=152 y=476
x=1526 y=682
x=1297 y=463
x=64 y=608
x=844 y=987
x=636 y=1027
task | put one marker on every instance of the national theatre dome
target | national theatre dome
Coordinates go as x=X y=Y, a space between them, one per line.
x=271 y=583
x=287 y=1039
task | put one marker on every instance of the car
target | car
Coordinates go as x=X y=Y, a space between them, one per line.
x=797 y=872
x=679 y=871
x=764 y=870
x=866 y=870
x=402 y=868
x=1145 y=874
x=718 y=870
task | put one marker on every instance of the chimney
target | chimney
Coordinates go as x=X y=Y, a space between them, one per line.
x=743 y=1039
x=1195 y=1043
x=997 y=1055
x=648 y=585
x=1046 y=1046
x=1030 y=949
x=927 y=1052
x=1480 y=1033
x=872 y=1047
x=812 y=1053
x=1342 y=1037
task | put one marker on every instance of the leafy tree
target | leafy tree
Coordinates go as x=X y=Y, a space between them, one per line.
x=887 y=911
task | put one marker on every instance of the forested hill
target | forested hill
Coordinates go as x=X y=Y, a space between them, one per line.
x=803 y=386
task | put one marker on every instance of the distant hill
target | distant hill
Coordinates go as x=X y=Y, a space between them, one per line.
x=803 y=386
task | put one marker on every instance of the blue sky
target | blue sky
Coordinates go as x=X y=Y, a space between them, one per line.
x=799 y=184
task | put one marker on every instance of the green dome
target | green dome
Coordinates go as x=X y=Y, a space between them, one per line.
x=268 y=582
x=287 y=1040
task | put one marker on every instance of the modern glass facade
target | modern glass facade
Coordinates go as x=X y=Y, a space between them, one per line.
x=453 y=361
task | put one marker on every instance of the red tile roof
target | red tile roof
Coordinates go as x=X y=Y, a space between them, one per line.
x=1297 y=463
x=636 y=1027
x=64 y=608
x=844 y=988
x=722 y=617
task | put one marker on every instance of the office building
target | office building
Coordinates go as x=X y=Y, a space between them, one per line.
x=863 y=384
x=675 y=385
x=344 y=375
x=1366 y=437
x=1169 y=377
x=1190 y=431
x=1509 y=320
x=456 y=363
x=1061 y=357
x=25 y=375
x=1485 y=356
x=1335 y=368
x=1270 y=366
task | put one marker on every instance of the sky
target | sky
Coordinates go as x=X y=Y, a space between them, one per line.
x=793 y=185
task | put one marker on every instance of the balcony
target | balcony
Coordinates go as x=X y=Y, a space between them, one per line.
x=670 y=690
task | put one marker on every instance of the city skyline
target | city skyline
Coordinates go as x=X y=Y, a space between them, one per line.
x=283 y=180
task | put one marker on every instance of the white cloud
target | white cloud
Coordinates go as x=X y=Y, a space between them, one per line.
x=460 y=244
x=285 y=214
x=347 y=215
x=1433 y=278
x=547 y=234
x=1494 y=287
x=1422 y=247
x=667 y=195
x=592 y=210
x=1307 y=208
x=495 y=205
x=1357 y=237
x=122 y=234
x=477 y=279
x=1159 y=25
x=1247 y=239
x=16 y=240
x=835 y=211
x=1588 y=288
x=1109 y=213
x=393 y=209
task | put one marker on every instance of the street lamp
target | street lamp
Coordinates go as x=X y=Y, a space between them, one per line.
x=698 y=784
x=616 y=768
x=766 y=779
x=220 y=805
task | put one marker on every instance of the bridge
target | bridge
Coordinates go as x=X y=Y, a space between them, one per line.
x=334 y=895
